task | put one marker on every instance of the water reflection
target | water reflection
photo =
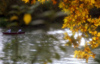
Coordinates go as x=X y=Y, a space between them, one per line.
x=29 y=49
x=37 y=48
x=1 y=48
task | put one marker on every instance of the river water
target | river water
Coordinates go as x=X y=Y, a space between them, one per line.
x=38 y=47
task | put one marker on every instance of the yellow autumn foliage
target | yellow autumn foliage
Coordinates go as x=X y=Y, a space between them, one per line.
x=14 y=18
x=98 y=34
x=77 y=20
x=26 y=1
x=27 y=18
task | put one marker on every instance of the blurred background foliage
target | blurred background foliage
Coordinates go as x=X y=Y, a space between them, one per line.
x=13 y=11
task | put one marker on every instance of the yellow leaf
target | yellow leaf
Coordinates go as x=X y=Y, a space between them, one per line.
x=65 y=20
x=98 y=34
x=98 y=41
x=26 y=1
x=87 y=49
x=92 y=1
x=13 y=18
x=93 y=55
x=89 y=19
x=94 y=38
x=45 y=62
x=90 y=31
x=27 y=18
x=75 y=53
x=41 y=1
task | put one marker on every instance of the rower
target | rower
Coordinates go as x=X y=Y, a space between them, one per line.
x=19 y=30
x=9 y=31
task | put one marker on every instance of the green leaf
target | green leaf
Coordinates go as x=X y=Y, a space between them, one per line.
x=62 y=48
x=68 y=44
x=49 y=60
x=12 y=24
x=15 y=6
x=57 y=56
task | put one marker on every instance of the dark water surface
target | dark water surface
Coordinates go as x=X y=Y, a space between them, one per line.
x=37 y=47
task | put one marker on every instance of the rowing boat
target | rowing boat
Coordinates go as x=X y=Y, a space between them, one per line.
x=13 y=33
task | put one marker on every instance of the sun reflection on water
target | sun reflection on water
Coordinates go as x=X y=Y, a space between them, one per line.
x=69 y=33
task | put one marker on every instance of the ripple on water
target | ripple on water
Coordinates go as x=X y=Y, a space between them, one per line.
x=66 y=59
x=1 y=47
